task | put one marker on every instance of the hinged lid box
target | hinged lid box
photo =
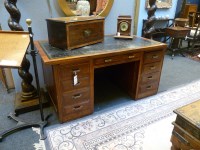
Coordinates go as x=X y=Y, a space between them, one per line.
x=188 y=118
x=73 y=32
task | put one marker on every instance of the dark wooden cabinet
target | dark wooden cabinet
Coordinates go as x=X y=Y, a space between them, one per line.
x=138 y=65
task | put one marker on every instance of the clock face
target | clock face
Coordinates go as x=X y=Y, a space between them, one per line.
x=123 y=26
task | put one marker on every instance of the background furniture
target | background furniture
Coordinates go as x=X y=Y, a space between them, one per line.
x=160 y=26
x=194 y=18
x=135 y=65
x=177 y=34
x=188 y=8
x=181 y=22
x=186 y=132
x=193 y=37
x=148 y=29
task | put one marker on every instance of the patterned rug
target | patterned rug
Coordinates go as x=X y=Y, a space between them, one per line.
x=122 y=128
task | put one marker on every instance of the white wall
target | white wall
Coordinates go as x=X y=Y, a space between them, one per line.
x=38 y=11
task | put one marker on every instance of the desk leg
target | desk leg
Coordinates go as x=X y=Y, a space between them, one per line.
x=175 y=45
x=171 y=47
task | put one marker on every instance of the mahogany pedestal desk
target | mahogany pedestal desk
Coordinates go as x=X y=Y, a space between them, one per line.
x=69 y=74
x=186 y=132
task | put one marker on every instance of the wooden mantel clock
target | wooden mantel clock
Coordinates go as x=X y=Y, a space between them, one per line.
x=124 y=27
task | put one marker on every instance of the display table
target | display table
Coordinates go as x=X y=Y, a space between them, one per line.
x=69 y=74
x=13 y=48
x=186 y=132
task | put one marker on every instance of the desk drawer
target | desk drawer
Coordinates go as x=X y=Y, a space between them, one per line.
x=68 y=85
x=116 y=59
x=107 y=60
x=76 y=97
x=77 y=111
x=151 y=77
x=153 y=56
x=67 y=72
x=147 y=89
x=153 y=67
x=131 y=56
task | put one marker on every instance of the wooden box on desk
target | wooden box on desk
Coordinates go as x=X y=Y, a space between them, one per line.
x=188 y=118
x=73 y=32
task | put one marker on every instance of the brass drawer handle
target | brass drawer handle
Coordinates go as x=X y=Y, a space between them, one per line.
x=155 y=56
x=152 y=67
x=77 y=107
x=149 y=87
x=150 y=77
x=76 y=96
x=87 y=33
x=107 y=60
x=133 y=56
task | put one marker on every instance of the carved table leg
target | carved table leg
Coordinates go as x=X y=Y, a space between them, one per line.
x=149 y=26
x=26 y=100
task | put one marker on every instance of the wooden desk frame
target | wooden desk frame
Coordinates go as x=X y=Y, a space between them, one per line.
x=76 y=101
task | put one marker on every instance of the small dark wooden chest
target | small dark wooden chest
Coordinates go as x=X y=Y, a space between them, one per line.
x=73 y=32
x=186 y=132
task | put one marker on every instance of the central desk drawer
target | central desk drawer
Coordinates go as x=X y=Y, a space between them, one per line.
x=116 y=59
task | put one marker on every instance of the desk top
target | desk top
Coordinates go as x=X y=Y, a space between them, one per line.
x=51 y=54
x=13 y=46
x=191 y=113
x=177 y=32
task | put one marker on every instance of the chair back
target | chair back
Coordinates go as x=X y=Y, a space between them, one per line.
x=194 y=35
x=196 y=31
